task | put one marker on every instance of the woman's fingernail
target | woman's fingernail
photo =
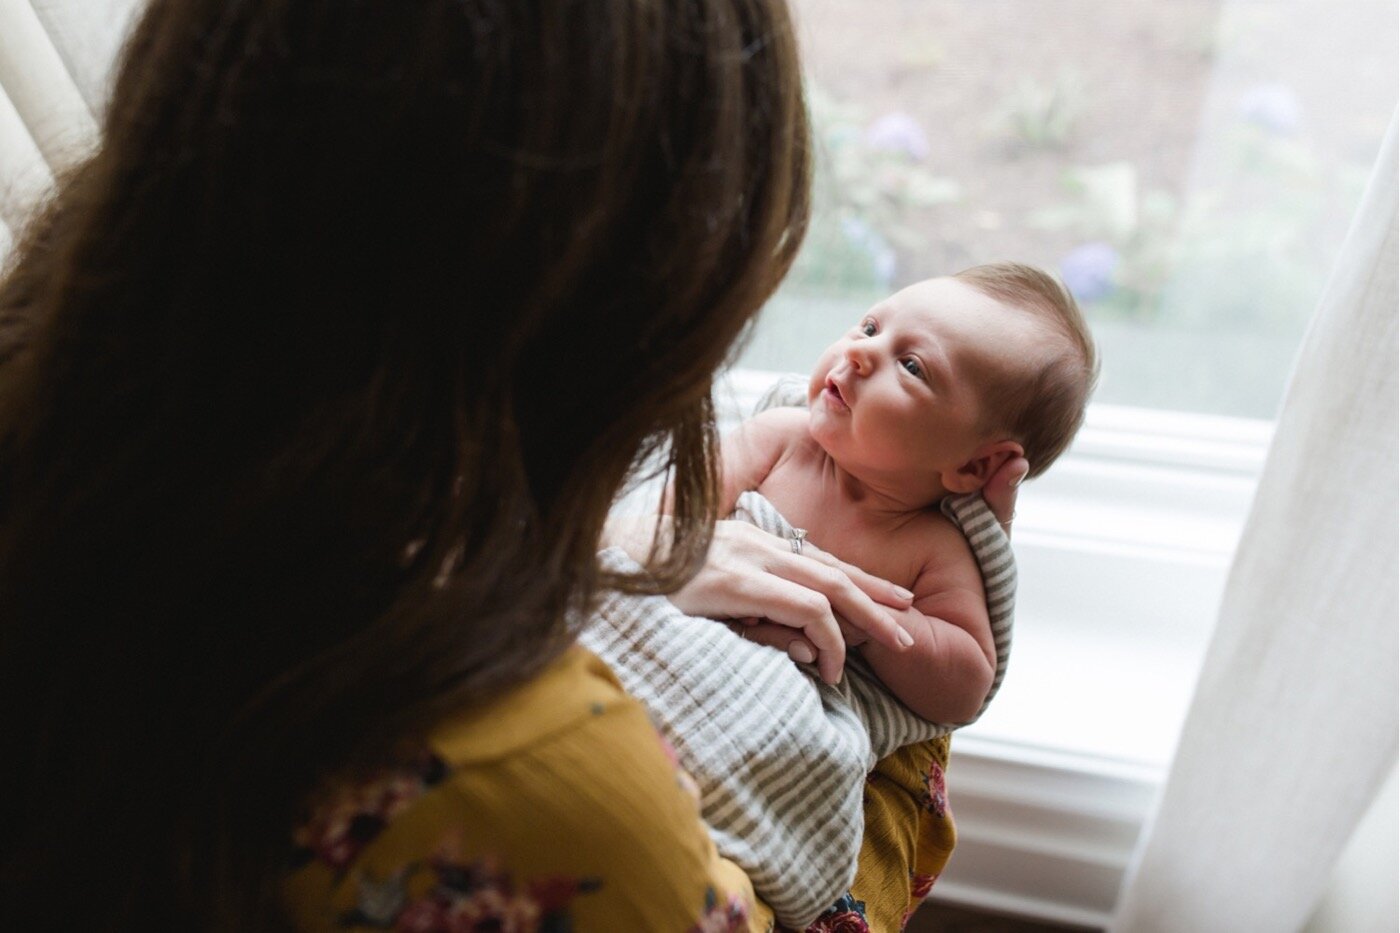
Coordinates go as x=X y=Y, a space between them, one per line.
x=903 y=593
x=801 y=652
x=1016 y=480
x=905 y=638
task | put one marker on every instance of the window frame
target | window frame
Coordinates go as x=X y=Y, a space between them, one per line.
x=1164 y=495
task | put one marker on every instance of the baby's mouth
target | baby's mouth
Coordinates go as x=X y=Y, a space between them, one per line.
x=834 y=393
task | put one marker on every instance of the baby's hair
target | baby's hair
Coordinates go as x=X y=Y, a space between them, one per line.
x=1042 y=405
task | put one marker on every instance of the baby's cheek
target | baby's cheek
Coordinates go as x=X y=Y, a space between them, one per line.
x=825 y=363
x=817 y=380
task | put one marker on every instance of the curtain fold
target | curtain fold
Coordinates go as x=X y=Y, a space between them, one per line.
x=24 y=174
x=1293 y=726
x=55 y=58
x=87 y=35
x=40 y=87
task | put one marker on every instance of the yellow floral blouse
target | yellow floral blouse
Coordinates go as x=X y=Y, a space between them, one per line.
x=558 y=807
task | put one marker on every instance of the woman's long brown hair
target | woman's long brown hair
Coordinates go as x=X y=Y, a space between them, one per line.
x=317 y=381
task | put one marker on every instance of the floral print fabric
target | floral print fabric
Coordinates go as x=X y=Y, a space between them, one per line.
x=351 y=815
x=460 y=894
x=556 y=809
x=465 y=896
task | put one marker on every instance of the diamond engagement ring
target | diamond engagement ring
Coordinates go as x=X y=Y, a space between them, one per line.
x=798 y=536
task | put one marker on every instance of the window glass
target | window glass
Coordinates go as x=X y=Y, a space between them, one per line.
x=1188 y=167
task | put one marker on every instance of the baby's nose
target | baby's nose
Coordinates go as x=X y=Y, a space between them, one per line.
x=859 y=356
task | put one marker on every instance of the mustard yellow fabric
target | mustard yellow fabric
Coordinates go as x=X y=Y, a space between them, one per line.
x=909 y=833
x=557 y=806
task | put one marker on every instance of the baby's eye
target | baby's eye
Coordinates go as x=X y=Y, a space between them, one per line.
x=912 y=366
x=868 y=328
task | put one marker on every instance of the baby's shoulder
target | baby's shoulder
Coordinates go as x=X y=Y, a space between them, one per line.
x=944 y=552
x=783 y=420
x=784 y=430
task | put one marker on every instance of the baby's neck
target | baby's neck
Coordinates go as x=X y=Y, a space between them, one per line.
x=879 y=496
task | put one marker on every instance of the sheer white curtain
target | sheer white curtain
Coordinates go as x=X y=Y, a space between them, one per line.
x=1293 y=727
x=54 y=60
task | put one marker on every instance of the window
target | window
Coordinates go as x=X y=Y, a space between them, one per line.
x=1190 y=169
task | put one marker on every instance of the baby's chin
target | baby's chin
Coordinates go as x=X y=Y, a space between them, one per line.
x=821 y=429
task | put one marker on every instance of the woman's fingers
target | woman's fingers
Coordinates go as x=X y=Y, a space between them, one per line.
x=753 y=574
x=803 y=614
x=876 y=588
x=782 y=638
x=1000 y=491
x=841 y=583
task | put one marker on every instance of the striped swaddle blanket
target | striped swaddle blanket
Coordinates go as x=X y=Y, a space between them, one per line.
x=779 y=757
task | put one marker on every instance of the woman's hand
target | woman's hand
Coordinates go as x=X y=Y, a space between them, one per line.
x=1000 y=493
x=811 y=604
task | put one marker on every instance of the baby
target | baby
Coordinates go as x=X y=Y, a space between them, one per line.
x=926 y=397
x=909 y=414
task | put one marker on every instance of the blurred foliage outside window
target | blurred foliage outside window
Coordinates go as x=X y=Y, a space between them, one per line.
x=1188 y=168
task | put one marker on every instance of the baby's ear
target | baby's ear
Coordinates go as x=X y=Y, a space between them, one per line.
x=982 y=466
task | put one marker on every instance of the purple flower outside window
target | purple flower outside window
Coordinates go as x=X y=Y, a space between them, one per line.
x=1271 y=107
x=898 y=132
x=868 y=240
x=1088 y=270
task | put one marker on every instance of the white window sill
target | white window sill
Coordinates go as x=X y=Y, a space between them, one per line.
x=1123 y=549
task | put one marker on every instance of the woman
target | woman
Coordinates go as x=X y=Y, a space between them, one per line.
x=320 y=375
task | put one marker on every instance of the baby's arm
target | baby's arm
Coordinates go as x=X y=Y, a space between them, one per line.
x=749 y=452
x=945 y=676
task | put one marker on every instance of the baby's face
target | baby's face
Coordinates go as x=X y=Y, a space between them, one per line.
x=899 y=396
